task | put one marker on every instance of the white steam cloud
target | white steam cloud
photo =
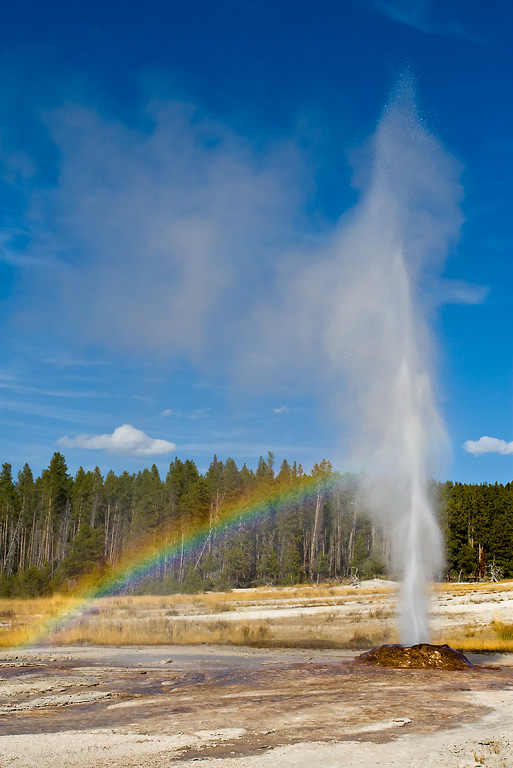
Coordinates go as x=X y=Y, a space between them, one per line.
x=124 y=441
x=488 y=445
x=359 y=311
x=165 y=230
x=400 y=232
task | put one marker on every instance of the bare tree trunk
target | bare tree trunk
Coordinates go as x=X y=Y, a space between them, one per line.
x=106 y=532
x=3 y=539
x=62 y=543
x=23 y=548
x=315 y=535
x=31 y=559
x=338 y=540
x=47 y=536
x=352 y=535
x=11 y=551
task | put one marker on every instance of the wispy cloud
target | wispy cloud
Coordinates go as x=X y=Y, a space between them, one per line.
x=422 y=16
x=124 y=441
x=244 y=448
x=174 y=228
x=461 y=292
x=24 y=389
x=59 y=412
x=413 y=13
x=283 y=409
x=66 y=361
x=198 y=413
x=488 y=445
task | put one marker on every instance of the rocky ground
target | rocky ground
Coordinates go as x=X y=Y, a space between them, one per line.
x=244 y=708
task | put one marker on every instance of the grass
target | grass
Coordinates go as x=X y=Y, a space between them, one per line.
x=344 y=617
x=475 y=587
x=20 y=619
x=158 y=632
x=191 y=620
x=496 y=637
x=259 y=633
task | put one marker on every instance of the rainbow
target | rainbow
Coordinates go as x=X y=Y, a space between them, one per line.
x=149 y=558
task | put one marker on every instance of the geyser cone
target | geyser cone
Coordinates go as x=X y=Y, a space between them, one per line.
x=419 y=656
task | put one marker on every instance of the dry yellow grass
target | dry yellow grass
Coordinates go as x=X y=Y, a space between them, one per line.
x=477 y=586
x=295 y=633
x=497 y=637
x=344 y=617
x=171 y=620
x=21 y=619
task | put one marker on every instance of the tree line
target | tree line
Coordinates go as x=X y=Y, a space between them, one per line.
x=310 y=527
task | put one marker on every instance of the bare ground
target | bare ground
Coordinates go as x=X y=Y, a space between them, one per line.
x=247 y=708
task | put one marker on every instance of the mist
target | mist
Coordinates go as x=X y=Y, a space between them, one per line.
x=361 y=309
x=401 y=233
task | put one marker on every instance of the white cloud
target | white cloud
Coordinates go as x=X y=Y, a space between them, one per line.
x=124 y=441
x=488 y=445
x=283 y=409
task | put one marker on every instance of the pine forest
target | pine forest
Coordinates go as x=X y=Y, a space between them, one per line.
x=57 y=529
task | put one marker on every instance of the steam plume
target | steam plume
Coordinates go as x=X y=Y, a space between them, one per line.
x=401 y=231
x=364 y=305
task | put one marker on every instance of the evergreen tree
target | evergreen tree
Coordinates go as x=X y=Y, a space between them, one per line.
x=10 y=520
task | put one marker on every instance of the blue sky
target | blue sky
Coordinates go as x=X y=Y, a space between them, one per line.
x=169 y=168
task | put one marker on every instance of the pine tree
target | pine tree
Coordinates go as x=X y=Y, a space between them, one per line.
x=10 y=520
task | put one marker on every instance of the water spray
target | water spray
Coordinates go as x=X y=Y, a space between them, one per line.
x=391 y=247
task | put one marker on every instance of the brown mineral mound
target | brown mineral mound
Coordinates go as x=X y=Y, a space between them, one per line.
x=418 y=656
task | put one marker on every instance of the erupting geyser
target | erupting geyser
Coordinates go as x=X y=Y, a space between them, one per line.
x=382 y=277
x=408 y=217
x=360 y=313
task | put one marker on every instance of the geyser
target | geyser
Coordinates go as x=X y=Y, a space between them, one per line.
x=395 y=245
x=361 y=311
x=356 y=313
